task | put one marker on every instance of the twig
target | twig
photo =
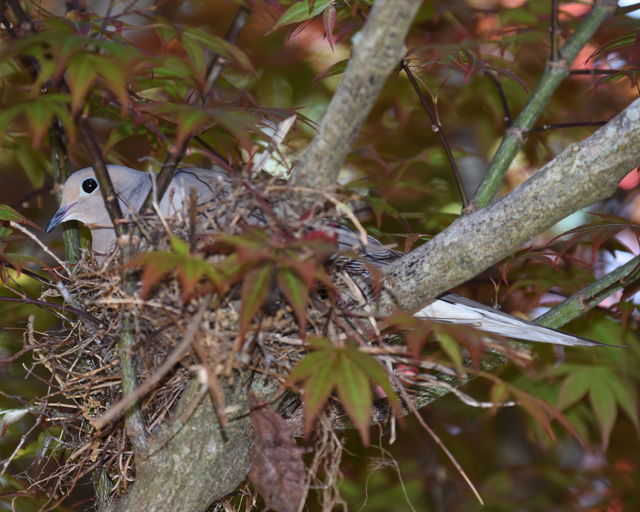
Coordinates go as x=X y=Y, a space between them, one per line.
x=411 y=406
x=464 y=398
x=554 y=126
x=601 y=71
x=554 y=32
x=551 y=79
x=165 y=368
x=51 y=305
x=628 y=8
x=508 y=120
x=33 y=237
x=590 y=296
x=439 y=130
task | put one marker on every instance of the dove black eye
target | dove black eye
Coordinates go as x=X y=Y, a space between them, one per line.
x=89 y=185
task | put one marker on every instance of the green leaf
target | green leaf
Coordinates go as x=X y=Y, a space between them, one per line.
x=301 y=11
x=195 y=52
x=318 y=386
x=255 y=290
x=452 y=349
x=335 y=69
x=374 y=370
x=604 y=405
x=179 y=246
x=296 y=292
x=39 y=115
x=354 y=391
x=574 y=387
x=625 y=396
x=81 y=74
x=9 y=214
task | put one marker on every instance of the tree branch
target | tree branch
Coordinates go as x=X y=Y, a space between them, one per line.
x=584 y=173
x=554 y=74
x=377 y=51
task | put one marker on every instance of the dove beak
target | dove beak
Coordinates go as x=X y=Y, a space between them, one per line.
x=58 y=218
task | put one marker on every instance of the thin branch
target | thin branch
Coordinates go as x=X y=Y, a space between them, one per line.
x=42 y=246
x=381 y=41
x=628 y=8
x=551 y=79
x=177 y=153
x=508 y=120
x=554 y=126
x=438 y=128
x=601 y=71
x=554 y=32
x=51 y=305
x=590 y=296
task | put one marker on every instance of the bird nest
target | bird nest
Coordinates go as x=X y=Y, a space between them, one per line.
x=212 y=293
x=181 y=319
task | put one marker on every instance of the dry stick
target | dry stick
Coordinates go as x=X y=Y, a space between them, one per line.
x=438 y=128
x=218 y=61
x=377 y=50
x=51 y=305
x=175 y=356
x=554 y=74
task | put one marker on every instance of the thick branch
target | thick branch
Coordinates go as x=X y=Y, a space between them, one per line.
x=377 y=50
x=555 y=73
x=583 y=174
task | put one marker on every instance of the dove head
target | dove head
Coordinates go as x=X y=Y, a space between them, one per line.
x=82 y=198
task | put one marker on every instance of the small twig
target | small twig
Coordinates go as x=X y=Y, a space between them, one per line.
x=506 y=117
x=175 y=356
x=218 y=61
x=628 y=8
x=601 y=71
x=51 y=305
x=410 y=404
x=590 y=296
x=33 y=237
x=554 y=126
x=439 y=130
x=554 y=32
x=464 y=398
x=19 y=445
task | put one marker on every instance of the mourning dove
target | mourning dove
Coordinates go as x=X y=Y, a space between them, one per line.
x=82 y=201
